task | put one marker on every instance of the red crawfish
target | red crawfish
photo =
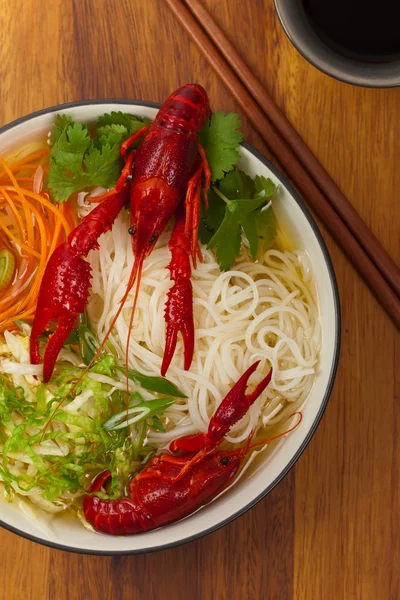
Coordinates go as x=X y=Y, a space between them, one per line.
x=174 y=485
x=165 y=169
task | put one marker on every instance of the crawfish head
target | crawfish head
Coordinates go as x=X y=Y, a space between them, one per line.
x=216 y=470
x=153 y=204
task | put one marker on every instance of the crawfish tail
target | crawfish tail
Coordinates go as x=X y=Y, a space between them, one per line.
x=115 y=517
x=186 y=109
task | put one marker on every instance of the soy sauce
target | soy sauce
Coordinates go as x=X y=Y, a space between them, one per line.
x=359 y=29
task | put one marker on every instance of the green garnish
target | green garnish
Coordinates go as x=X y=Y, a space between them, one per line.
x=138 y=412
x=96 y=439
x=160 y=385
x=79 y=161
x=220 y=138
x=236 y=205
x=123 y=123
x=7 y=266
x=210 y=221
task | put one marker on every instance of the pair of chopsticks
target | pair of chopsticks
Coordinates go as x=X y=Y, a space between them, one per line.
x=350 y=232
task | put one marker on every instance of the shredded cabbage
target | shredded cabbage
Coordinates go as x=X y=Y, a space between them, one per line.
x=54 y=462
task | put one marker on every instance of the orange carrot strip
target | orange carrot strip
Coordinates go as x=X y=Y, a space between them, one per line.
x=13 y=209
x=17 y=241
x=27 y=159
x=54 y=209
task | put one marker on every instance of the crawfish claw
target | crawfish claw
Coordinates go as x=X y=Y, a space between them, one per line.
x=63 y=295
x=179 y=316
x=235 y=405
x=179 y=305
x=232 y=408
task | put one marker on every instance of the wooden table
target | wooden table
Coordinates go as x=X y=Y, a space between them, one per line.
x=331 y=529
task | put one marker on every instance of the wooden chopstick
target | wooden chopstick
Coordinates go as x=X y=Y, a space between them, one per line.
x=365 y=237
x=290 y=162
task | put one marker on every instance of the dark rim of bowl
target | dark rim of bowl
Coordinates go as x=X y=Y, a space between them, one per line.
x=347 y=77
x=328 y=261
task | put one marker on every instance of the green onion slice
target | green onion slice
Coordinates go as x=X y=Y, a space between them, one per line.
x=137 y=413
x=160 y=385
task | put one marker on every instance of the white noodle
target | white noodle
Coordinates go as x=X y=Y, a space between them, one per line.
x=259 y=311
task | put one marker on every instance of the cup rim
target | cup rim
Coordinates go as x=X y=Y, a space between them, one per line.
x=331 y=378
x=346 y=70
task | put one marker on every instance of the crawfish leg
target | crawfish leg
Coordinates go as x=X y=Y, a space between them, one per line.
x=125 y=145
x=85 y=236
x=207 y=175
x=179 y=305
x=193 y=200
x=196 y=222
x=126 y=172
x=193 y=206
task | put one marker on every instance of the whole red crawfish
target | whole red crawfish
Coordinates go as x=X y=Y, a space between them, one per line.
x=167 y=167
x=174 y=485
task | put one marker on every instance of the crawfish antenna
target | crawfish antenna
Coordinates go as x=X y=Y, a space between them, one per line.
x=136 y=274
x=279 y=435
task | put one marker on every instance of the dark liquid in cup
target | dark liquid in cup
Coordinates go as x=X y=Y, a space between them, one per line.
x=359 y=29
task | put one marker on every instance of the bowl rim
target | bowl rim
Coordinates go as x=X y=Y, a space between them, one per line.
x=332 y=375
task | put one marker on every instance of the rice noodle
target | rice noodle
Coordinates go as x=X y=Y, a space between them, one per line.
x=265 y=310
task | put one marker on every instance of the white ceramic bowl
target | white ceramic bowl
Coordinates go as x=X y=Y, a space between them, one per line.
x=69 y=534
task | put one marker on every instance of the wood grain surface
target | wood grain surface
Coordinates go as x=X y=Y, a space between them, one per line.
x=331 y=529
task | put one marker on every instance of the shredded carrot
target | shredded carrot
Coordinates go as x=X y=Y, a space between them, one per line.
x=31 y=227
x=25 y=163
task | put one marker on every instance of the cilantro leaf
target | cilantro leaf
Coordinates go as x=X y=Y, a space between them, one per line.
x=220 y=138
x=131 y=122
x=266 y=221
x=116 y=127
x=103 y=167
x=74 y=138
x=112 y=134
x=75 y=149
x=60 y=183
x=237 y=204
x=78 y=162
x=211 y=220
x=264 y=187
x=60 y=124
x=237 y=184
x=234 y=185
x=227 y=240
